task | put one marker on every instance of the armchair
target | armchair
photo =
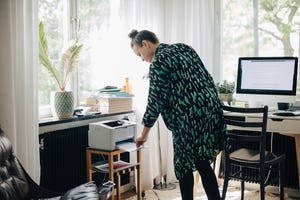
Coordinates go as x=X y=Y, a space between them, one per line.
x=16 y=184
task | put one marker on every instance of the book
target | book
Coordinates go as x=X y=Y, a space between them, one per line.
x=113 y=105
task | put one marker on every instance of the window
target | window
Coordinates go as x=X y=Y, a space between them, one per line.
x=96 y=23
x=259 y=28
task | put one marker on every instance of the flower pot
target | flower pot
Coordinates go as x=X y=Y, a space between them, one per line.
x=62 y=104
x=227 y=98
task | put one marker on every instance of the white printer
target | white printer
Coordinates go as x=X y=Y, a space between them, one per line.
x=107 y=134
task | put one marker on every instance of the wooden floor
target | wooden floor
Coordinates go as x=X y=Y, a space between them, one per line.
x=128 y=194
x=232 y=194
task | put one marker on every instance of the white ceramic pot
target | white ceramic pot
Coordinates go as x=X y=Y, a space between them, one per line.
x=62 y=104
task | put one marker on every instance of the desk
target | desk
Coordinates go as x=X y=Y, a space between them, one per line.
x=111 y=155
x=289 y=126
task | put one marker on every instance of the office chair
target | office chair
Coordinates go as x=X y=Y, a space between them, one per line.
x=246 y=151
x=16 y=184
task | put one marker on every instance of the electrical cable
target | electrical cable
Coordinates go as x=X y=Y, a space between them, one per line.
x=269 y=171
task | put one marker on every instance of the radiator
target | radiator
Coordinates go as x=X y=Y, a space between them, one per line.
x=281 y=144
x=63 y=159
x=286 y=145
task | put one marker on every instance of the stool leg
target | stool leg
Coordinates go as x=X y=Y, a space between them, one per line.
x=118 y=186
x=139 y=191
x=111 y=173
x=138 y=169
x=88 y=164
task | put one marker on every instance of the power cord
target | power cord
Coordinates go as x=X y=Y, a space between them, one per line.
x=269 y=171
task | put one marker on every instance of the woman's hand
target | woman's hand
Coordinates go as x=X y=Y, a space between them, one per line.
x=143 y=138
x=140 y=141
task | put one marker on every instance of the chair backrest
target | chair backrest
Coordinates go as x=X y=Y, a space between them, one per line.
x=247 y=127
x=13 y=182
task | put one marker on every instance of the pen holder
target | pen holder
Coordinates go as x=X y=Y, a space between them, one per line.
x=283 y=106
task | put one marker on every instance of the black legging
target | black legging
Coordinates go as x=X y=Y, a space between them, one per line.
x=208 y=178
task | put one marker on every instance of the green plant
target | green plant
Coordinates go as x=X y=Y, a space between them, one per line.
x=69 y=59
x=226 y=87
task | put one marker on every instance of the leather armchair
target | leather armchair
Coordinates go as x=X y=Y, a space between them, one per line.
x=16 y=184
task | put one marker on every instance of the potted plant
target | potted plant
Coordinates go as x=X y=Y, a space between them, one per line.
x=63 y=100
x=226 y=90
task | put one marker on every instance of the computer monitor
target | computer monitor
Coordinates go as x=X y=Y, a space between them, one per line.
x=267 y=80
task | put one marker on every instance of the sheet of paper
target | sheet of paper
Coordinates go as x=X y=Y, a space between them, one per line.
x=128 y=146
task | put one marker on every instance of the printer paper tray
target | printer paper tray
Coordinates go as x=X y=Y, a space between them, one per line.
x=127 y=146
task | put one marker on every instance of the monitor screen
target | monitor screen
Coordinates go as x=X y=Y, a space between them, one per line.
x=267 y=75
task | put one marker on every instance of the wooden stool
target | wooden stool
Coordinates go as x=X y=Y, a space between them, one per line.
x=111 y=171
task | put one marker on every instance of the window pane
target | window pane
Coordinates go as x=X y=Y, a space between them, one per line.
x=94 y=18
x=237 y=35
x=278 y=31
x=53 y=14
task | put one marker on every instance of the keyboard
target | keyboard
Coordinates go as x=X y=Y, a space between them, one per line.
x=287 y=113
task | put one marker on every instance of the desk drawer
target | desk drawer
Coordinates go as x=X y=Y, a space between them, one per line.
x=280 y=125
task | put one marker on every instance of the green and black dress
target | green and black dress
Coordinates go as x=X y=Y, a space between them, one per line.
x=184 y=93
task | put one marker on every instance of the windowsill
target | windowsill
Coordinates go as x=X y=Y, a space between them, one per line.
x=53 y=121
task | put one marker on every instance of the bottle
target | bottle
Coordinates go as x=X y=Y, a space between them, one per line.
x=124 y=89
x=127 y=85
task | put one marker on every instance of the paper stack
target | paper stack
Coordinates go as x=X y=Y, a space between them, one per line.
x=110 y=100
x=114 y=105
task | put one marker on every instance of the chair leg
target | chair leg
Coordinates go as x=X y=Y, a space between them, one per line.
x=242 y=189
x=262 y=190
x=225 y=185
x=242 y=171
x=226 y=177
x=262 y=178
x=282 y=179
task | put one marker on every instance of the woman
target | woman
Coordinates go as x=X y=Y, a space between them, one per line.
x=184 y=93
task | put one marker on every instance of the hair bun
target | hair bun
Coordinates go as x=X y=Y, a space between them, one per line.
x=133 y=33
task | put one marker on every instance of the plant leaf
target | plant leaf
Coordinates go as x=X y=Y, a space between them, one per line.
x=70 y=61
x=44 y=57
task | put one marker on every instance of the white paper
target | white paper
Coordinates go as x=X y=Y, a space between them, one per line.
x=128 y=146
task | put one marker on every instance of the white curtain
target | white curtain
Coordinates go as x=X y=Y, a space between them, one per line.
x=194 y=22
x=18 y=80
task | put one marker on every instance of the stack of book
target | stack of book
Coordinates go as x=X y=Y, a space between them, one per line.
x=114 y=105
x=110 y=100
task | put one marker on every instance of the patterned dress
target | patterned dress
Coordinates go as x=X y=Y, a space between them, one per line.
x=184 y=93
